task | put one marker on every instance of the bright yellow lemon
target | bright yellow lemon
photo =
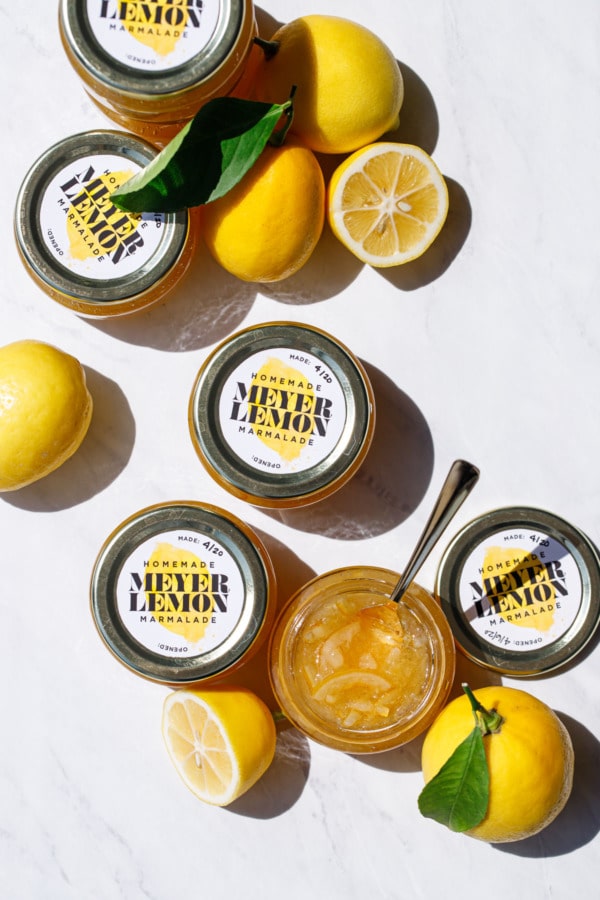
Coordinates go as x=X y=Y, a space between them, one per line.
x=530 y=760
x=45 y=411
x=221 y=740
x=349 y=86
x=387 y=203
x=267 y=226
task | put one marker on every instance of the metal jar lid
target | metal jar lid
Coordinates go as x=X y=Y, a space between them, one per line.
x=151 y=50
x=281 y=414
x=521 y=590
x=182 y=592
x=80 y=248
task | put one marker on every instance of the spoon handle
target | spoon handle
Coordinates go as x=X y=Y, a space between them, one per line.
x=461 y=478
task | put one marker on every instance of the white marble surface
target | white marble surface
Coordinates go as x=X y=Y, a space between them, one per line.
x=489 y=348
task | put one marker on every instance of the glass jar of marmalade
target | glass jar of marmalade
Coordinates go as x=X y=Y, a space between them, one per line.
x=282 y=414
x=78 y=247
x=183 y=592
x=355 y=671
x=151 y=66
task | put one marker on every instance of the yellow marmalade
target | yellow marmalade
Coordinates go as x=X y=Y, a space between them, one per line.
x=80 y=249
x=151 y=65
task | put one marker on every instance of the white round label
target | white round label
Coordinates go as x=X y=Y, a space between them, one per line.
x=180 y=594
x=282 y=410
x=153 y=36
x=520 y=590
x=83 y=229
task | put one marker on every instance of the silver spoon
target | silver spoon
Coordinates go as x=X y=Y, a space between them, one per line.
x=461 y=478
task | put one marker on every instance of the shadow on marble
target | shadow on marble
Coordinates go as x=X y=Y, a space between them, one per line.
x=330 y=269
x=419 y=121
x=205 y=308
x=267 y=24
x=579 y=822
x=290 y=574
x=391 y=482
x=444 y=250
x=476 y=676
x=99 y=460
x=405 y=759
x=210 y=304
x=283 y=782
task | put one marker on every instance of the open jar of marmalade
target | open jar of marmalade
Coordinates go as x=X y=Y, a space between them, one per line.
x=355 y=671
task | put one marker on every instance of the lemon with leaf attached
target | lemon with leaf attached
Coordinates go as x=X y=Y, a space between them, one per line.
x=525 y=773
x=349 y=87
x=220 y=740
x=45 y=411
x=267 y=226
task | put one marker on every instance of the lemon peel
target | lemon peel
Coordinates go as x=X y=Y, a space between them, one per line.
x=529 y=756
x=267 y=226
x=45 y=411
x=349 y=85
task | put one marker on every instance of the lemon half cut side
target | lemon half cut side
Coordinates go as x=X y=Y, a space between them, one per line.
x=387 y=203
x=220 y=740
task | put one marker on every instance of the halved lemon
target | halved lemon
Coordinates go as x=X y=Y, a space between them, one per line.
x=387 y=203
x=221 y=740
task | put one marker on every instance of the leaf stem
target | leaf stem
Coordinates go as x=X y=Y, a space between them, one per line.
x=269 y=48
x=278 y=137
x=487 y=720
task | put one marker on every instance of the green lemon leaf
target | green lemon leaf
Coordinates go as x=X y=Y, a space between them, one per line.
x=206 y=159
x=458 y=795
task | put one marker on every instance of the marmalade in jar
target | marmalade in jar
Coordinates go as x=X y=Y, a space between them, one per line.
x=363 y=666
x=356 y=671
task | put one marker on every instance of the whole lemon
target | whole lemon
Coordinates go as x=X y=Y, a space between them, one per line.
x=530 y=760
x=45 y=411
x=349 y=86
x=266 y=227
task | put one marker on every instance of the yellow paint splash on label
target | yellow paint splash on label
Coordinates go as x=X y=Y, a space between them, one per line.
x=95 y=226
x=287 y=401
x=158 y=25
x=183 y=601
x=520 y=586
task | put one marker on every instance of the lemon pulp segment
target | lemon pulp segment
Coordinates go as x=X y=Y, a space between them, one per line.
x=387 y=203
